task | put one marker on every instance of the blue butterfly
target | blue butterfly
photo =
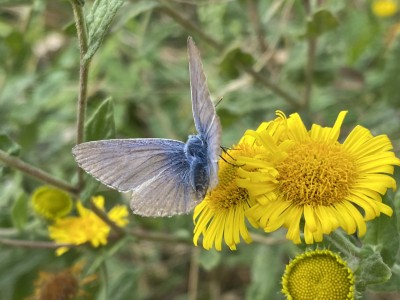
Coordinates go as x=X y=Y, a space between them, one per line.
x=166 y=177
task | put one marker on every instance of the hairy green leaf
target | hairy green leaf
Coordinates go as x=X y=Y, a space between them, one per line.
x=98 y=21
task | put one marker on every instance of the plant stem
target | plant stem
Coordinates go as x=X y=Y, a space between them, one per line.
x=343 y=244
x=120 y=232
x=159 y=237
x=274 y=88
x=83 y=78
x=190 y=26
x=36 y=173
x=193 y=274
x=33 y=244
x=256 y=22
x=311 y=51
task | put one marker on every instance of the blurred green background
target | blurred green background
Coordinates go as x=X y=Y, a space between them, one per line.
x=312 y=57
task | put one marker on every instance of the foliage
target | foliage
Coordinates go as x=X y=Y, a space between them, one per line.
x=259 y=56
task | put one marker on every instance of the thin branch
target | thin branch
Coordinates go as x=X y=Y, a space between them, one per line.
x=33 y=244
x=193 y=274
x=120 y=232
x=36 y=173
x=159 y=237
x=83 y=77
x=190 y=26
x=311 y=52
x=256 y=22
x=185 y=23
x=273 y=87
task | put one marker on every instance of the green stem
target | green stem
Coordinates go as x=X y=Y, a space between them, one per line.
x=120 y=232
x=256 y=22
x=36 y=173
x=193 y=280
x=159 y=237
x=190 y=26
x=33 y=244
x=343 y=244
x=311 y=52
x=274 y=88
x=83 y=78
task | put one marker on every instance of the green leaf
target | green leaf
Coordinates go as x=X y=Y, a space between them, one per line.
x=19 y=211
x=107 y=254
x=322 y=21
x=372 y=269
x=8 y=146
x=101 y=123
x=209 y=259
x=100 y=126
x=98 y=21
x=392 y=285
x=382 y=232
x=233 y=61
x=122 y=284
x=19 y=265
x=265 y=272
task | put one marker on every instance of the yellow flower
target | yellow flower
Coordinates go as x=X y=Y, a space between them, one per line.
x=319 y=274
x=87 y=227
x=221 y=214
x=61 y=285
x=314 y=177
x=384 y=8
x=51 y=203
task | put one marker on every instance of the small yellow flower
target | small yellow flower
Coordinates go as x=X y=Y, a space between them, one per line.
x=66 y=284
x=51 y=203
x=319 y=274
x=220 y=216
x=384 y=8
x=310 y=175
x=87 y=227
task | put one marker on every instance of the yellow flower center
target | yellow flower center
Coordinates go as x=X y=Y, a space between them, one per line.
x=319 y=274
x=316 y=173
x=227 y=195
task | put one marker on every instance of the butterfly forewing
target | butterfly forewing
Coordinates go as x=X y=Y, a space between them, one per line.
x=205 y=118
x=124 y=164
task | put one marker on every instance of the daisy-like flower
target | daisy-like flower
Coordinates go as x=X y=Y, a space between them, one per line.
x=51 y=203
x=66 y=284
x=319 y=274
x=317 y=179
x=384 y=8
x=220 y=216
x=87 y=227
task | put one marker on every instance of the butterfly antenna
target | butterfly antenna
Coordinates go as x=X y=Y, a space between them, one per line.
x=225 y=149
x=219 y=101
